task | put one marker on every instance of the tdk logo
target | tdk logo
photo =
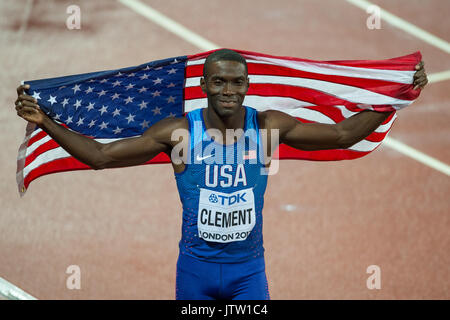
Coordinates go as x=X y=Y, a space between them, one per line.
x=228 y=200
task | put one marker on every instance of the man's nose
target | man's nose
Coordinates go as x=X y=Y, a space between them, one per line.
x=228 y=89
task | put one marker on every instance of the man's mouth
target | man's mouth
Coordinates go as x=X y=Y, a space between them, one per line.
x=228 y=103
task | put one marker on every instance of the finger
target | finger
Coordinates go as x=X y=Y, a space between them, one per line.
x=420 y=65
x=27 y=97
x=22 y=88
x=30 y=104
x=26 y=110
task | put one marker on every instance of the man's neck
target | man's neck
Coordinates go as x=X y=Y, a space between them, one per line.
x=214 y=121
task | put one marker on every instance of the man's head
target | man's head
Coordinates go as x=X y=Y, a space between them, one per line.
x=225 y=81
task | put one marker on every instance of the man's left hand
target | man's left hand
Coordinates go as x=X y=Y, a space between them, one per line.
x=420 y=77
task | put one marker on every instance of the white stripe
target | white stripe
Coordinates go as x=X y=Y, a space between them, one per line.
x=417 y=155
x=37 y=144
x=365 y=146
x=345 y=92
x=397 y=76
x=12 y=292
x=57 y=153
x=338 y=70
x=405 y=26
x=169 y=24
x=257 y=102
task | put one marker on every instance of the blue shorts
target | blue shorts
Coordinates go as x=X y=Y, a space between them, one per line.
x=202 y=280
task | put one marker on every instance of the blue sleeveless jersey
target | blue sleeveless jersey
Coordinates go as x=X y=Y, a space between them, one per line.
x=222 y=193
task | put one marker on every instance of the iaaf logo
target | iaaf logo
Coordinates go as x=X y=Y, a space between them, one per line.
x=228 y=200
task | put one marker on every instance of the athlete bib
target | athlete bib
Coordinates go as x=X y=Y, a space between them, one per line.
x=226 y=217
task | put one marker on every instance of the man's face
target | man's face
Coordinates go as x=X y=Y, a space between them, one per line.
x=226 y=85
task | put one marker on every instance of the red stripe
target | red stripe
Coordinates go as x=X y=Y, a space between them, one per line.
x=388 y=88
x=402 y=63
x=49 y=145
x=37 y=137
x=72 y=164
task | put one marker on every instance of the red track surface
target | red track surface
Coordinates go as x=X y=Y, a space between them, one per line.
x=122 y=226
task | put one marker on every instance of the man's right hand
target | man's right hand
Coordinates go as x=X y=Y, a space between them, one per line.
x=27 y=107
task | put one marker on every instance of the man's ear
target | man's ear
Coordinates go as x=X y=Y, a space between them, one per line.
x=203 y=84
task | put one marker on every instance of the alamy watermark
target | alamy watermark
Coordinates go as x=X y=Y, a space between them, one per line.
x=215 y=148
x=73 y=281
x=73 y=21
x=374 y=281
x=374 y=20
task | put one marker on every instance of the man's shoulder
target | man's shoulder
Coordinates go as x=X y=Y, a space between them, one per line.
x=270 y=119
x=173 y=123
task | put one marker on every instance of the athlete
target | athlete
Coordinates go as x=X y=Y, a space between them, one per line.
x=221 y=181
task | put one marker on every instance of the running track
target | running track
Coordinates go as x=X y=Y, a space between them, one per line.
x=325 y=223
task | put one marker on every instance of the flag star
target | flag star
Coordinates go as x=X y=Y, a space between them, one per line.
x=116 y=112
x=90 y=106
x=171 y=115
x=66 y=101
x=130 y=118
x=62 y=87
x=157 y=81
x=174 y=61
x=88 y=90
x=103 y=81
x=69 y=120
x=119 y=74
x=171 y=85
x=117 y=83
x=128 y=100
x=102 y=93
x=156 y=111
x=52 y=99
x=36 y=95
x=144 y=124
x=92 y=80
x=172 y=71
x=77 y=104
x=156 y=93
x=103 y=110
x=80 y=121
x=131 y=75
x=129 y=86
x=144 y=77
x=103 y=125
x=170 y=99
x=58 y=116
x=117 y=130
x=115 y=96
x=147 y=68
x=92 y=123
x=76 y=88
x=143 y=89
x=159 y=68
x=143 y=105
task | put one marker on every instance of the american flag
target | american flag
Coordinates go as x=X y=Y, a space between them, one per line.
x=117 y=104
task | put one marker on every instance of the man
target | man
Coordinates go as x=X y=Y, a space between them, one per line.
x=221 y=181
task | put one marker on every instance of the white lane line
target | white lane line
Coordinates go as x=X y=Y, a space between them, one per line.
x=405 y=26
x=438 y=76
x=169 y=24
x=204 y=44
x=11 y=292
x=417 y=155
